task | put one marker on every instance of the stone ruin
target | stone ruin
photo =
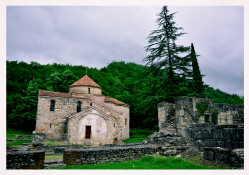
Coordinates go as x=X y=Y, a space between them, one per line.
x=215 y=130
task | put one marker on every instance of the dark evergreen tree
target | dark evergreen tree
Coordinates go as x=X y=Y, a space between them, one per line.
x=165 y=56
x=198 y=85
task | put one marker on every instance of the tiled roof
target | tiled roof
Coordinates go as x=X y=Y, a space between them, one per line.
x=67 y=95
x=108 y=99
x=85 y=81
x=57 y=94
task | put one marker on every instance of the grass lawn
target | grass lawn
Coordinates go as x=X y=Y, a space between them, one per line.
x=53 y=142
x=138 y=135
x=158 y=162
x=54 y=157
x=135 y=139
x=15 y=143
x=12 y=133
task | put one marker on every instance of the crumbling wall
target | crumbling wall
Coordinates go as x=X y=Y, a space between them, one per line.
x=166 y=116
x=230 y=114
x=190 y=110
x=210 y=135
x=204 y=124
x=25 y=159
x=187 y=110
x=104 y=155
x=233 y=157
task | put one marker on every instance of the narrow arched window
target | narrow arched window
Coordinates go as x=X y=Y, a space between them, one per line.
x=78 y=106
x=89 y=90
x=52 y=104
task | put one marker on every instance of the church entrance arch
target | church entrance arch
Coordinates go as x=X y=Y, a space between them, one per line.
x=92 y=127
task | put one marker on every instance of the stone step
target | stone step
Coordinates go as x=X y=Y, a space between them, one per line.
x=172 y=151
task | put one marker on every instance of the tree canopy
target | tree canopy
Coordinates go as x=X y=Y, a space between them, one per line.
x=166 y=58
x=127 y=82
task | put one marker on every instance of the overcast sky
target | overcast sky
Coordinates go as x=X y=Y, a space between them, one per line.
x=96 y=36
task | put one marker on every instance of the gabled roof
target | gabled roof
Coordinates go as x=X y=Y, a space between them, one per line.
x=68 y=95
x=85 y=81
x=113 y=100
x=88 y=108
x=57 y=94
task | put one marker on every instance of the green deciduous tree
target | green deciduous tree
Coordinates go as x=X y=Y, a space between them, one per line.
x=59 y=82
x=23 y=115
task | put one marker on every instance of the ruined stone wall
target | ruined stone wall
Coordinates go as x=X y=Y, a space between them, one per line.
x=230 y=114
x=104 y=155
x=58 y=149
x=223 y=155
x=185 y=112
x=209 y=135
x=166 y=116
x=25 y=160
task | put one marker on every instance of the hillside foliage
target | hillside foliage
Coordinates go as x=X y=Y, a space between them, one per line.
x=127 y=82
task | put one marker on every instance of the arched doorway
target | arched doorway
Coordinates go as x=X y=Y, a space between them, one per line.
x=92 y=128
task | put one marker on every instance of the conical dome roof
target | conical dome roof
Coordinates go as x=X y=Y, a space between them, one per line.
x=85 y=81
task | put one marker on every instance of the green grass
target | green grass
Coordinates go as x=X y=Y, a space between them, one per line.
x=54 y=157
x=15 y=143
x=53 y=142
x=12 y=133
x=137 y=139
x=144 y=163
x=138 y=135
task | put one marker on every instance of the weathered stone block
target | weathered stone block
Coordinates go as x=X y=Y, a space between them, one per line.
x=25 y=160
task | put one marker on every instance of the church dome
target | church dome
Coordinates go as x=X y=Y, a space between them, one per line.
x=86 y=86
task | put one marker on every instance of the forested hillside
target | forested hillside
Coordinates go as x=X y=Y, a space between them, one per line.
x=128 y=82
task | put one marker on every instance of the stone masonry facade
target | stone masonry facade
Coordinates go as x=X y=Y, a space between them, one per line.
x=215 y=129
x=82 y=116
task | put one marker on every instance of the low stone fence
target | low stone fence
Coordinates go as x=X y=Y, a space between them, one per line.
x=58 y=149
x=223 y=155
x=209 y=135
x=25 y=159
x=104 y=155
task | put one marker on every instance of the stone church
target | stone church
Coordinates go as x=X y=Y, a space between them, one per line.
x=82 y=116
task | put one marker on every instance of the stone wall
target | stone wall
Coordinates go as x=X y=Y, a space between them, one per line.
x=230 y=114
x=186 y=112
x=58 y=149
x=209 y=135
x=55 y=123
x=25 y=159
x=84 y=90
x=104 y=155
x=223 y=155
x=166 y=115
x=195 y=119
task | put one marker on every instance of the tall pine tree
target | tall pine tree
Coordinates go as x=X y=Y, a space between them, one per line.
x=198 y=86
x=165 y=56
